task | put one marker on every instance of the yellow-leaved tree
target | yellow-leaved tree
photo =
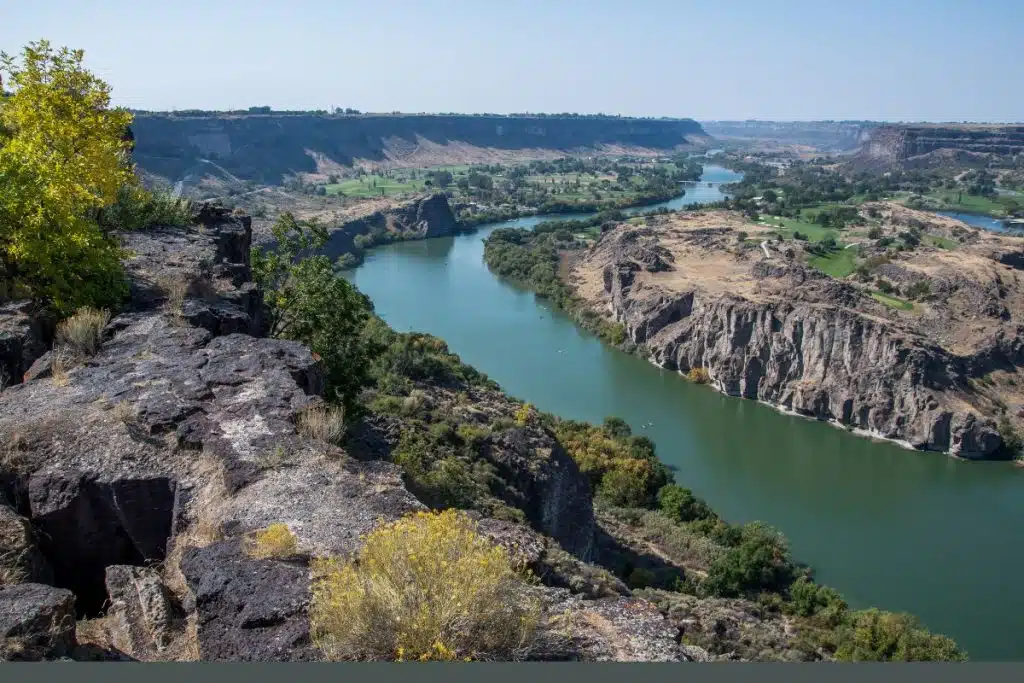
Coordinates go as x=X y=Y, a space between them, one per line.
x=63 y=157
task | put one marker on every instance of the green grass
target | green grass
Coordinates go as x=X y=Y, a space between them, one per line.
x=970 y=202
x=814 y=232
x=838 y=264
x=892 y=301
x=947 y=201
x=940 y=242
x=364 y=187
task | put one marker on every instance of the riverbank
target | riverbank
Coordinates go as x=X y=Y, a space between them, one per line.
x=838 y=498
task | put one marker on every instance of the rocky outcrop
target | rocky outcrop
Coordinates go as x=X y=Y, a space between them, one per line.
x=25 y=335
x=429 y=216
x=811 y=353
x=897 y=144
x=547 y=485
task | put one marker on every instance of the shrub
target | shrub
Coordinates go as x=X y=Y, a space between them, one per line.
x=523 y=414
x=884 y=286
x=449 y=484
x=323 y=422
x=698 y=375
x=83 y=331
x=428 y=586
x=471 y=435
x=680 y=505
x=276 y=541
x=876 y=636
x=617 y=427
x=874 y=233
x=1013 y=444
x=391 y=405
x=641 y=578
x=137 y=208
x=809 y=599
x=625 y=486
x=919 y=290
x=759 y=563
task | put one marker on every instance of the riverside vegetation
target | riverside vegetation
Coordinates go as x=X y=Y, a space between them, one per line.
x=442 y=422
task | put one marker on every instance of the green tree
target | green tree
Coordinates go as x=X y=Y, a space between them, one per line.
x=759 y=563
x=441 y=178
x=63 y=156
x=309 y=303
x=681 y=505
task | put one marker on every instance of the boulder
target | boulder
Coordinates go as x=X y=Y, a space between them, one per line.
x=20 y=558
x=248 y=609
x=142 y=612
x=36 y=622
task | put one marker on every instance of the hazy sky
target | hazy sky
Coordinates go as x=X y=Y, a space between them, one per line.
x=945 y=60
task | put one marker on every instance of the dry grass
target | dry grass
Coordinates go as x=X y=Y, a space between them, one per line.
x=272 y=459
x=202 y=531
x=275 y=542
x=62 y=361
x=175 y=289
x=12 y=567
x=323 y=422
x=426 y=587
x=82 y=333
x=124 y=412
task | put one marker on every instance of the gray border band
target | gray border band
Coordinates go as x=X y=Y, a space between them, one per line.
x=585 y=672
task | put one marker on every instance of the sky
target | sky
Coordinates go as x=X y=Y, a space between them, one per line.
x=892 y=60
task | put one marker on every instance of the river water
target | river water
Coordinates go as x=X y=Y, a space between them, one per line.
x=897 y=529
x=976 y=220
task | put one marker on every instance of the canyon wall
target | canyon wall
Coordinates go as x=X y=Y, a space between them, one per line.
x=826 y=361
x=894 y=144
x=264 y=148
x=825 y=135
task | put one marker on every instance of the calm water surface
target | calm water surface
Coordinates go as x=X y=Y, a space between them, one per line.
x=897 y=529
x=976 y=220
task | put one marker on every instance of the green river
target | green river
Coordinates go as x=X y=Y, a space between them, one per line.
x=887 y=527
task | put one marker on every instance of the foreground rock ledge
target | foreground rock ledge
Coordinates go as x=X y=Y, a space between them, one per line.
x=144 y=470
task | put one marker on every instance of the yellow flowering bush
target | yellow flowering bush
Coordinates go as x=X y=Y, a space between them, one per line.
x=276 y=541
x=427 y=587
x=698 y=375
x=523 y=414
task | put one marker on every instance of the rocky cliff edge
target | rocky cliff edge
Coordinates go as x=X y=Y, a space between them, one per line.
x=130 y=482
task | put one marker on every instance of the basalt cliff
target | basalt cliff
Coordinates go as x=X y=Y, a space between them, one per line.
x=764 y=325
x=266 y=147
x=922 y=146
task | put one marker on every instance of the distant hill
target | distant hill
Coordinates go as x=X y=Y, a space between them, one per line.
x=266 y=147
x=827 y=136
